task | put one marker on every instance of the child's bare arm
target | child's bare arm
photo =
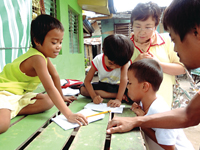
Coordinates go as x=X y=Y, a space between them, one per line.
x=56 y=79
x=123 y=81
x=42 y=72
x=96 y=98
x=122 y=87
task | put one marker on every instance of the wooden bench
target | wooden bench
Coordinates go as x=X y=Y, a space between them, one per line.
x=39 y=132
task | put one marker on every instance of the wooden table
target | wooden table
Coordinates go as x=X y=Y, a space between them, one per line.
x=39 y=132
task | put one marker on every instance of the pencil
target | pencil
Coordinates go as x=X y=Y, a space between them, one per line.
x=104 y=112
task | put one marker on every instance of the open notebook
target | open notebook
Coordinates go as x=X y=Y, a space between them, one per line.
x=66 y=125
x=104 y=107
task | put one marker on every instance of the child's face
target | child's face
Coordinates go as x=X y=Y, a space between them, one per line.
x=143 y=30
x=134 y=88
x=110 y=64
x=52 y=43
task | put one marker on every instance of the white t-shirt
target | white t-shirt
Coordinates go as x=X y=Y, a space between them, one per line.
x=105 y=75
x=166 y=136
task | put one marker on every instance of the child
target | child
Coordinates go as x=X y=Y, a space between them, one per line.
x=19 y=78
x=145 y=77
x=112 y=68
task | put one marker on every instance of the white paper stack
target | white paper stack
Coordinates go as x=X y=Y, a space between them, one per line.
x=104 y=107
x=70 y=92
x=66 y=125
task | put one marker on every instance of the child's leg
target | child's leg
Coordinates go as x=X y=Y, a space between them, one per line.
x=105 y=90
x=42 y=104
x=4 y=120
x=105 y=94
x=102 y=93
x=84 y=92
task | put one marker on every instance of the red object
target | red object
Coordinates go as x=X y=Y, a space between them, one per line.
x=72 y=83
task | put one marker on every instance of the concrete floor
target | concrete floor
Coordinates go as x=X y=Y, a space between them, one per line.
x=192 y=133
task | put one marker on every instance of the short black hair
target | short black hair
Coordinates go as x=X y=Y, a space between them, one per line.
x=41 y=25
x=143 y=11
x=182 y=16
x=148 y=70
x=118 y=48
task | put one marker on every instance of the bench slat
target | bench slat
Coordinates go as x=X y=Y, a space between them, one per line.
x=53 y=137
x=17 y=118
x=21 y=132
x=92 y=136
x=130 y=140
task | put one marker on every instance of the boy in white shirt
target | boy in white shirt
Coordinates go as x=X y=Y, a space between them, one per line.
x=145 y=77
x=112 y=68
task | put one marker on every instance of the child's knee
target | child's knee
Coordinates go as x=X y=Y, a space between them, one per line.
x=48 y=101
x=83 y=91
x=4 y=120
x=4 y=127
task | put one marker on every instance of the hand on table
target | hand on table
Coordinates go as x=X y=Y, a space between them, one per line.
x=69 y=99
x=114 y=103
x=137 y=109
x=120 y=124
x=78 y=118
x=97 y=99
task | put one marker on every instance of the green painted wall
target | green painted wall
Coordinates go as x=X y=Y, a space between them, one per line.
x=70 y=65
x=15 y=21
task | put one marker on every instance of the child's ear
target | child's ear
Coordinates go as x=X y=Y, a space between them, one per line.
x=102 y=50
x=146 y=86
x=36 y=42
x=196 y=32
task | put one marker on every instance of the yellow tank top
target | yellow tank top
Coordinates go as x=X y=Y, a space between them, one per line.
x=15 y=81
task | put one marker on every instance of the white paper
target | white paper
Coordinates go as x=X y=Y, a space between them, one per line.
x=104 y=107
x=66 y=125
x=69 y=91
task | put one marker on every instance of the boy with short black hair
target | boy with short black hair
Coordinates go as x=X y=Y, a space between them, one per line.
x=20 y=78
x=145 y=77
x=112 y=68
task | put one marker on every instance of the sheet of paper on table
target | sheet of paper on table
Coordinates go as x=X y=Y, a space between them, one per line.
x=66 y=125
x=104 y=107
x=70 y=92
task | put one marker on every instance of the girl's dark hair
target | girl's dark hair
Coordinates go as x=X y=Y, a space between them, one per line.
x=182 y=16
x=41 y=25
x=118 y=48
x=148 y=70
x=143 y=11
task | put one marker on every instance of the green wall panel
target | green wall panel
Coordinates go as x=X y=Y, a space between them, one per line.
x=67 y=64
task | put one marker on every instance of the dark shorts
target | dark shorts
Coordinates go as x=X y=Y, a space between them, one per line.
x=111 y=88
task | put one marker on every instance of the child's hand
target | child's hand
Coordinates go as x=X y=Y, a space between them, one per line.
x=143 y=55
x=69 y=99
x=97 y=99
x=78 y=118
x=137 y=109
x=114 y=103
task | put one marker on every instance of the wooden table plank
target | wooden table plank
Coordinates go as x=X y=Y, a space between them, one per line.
x=127 y=141
x=52 y=138
x=19 y=133
x=17 y=118
x=92 y=136
x=79 y=104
